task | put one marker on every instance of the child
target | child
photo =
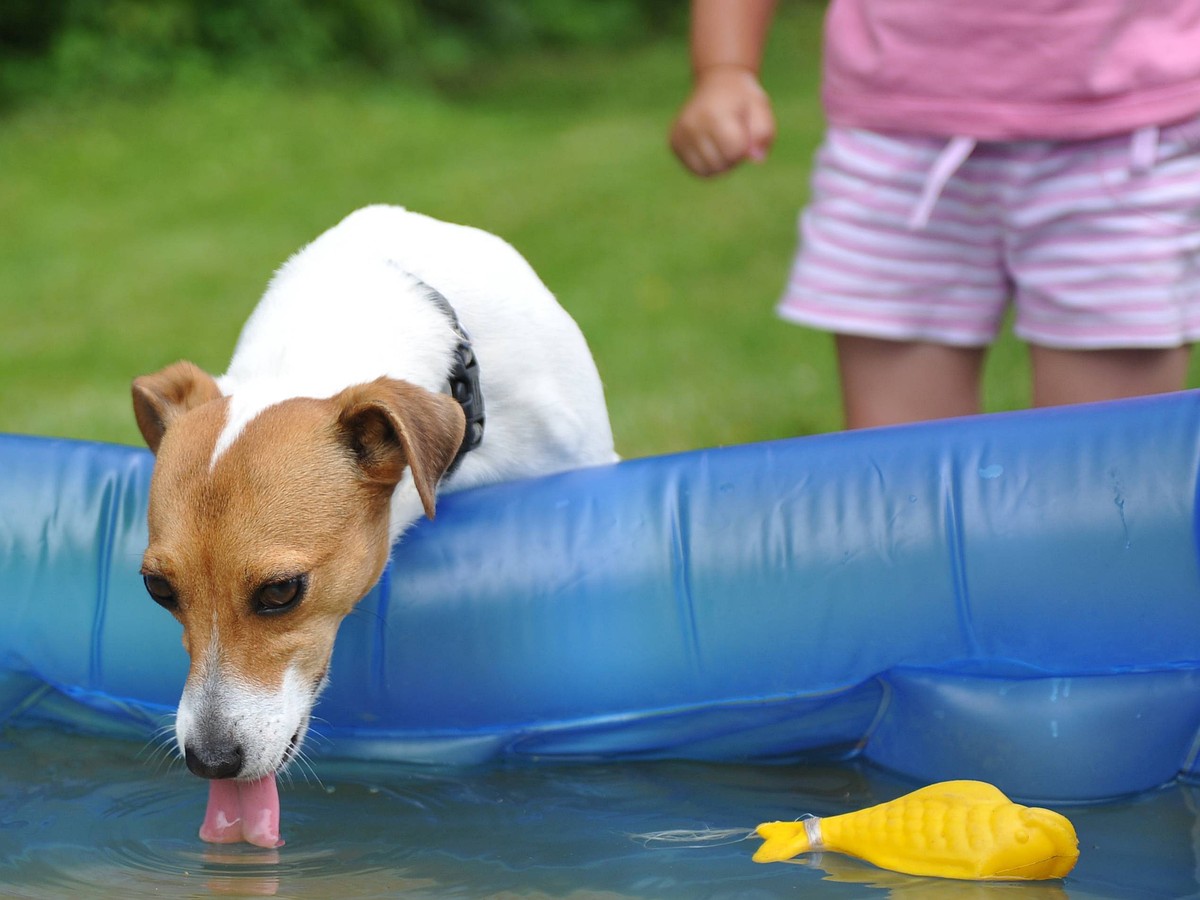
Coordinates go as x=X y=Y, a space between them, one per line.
x=1046 y=151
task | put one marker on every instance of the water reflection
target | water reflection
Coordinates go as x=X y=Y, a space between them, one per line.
x=84 y=817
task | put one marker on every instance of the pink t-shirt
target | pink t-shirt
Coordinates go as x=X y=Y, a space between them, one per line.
x=1011 y=69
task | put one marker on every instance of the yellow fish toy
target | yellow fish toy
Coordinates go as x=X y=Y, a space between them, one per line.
x=953 y=829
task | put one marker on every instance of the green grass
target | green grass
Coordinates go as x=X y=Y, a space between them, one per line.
x=136 y=231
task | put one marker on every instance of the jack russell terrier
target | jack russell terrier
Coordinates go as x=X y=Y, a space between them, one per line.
x=394 y=356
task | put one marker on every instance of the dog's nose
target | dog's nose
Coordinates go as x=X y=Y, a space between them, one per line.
x=222 y=762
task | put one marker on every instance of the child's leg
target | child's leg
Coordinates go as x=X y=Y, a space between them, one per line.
x=888 y=382
x=1081 y=376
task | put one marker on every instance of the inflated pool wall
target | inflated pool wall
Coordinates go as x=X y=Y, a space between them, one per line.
x=1011 y=597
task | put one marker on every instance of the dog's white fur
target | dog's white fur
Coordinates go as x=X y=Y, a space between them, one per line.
x=543 y=397
x=347 y=309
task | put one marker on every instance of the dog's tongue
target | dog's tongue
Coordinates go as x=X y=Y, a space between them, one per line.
x=242 y=811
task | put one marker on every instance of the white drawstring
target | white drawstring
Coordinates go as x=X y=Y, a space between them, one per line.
x=1143 y=150
x=1143 y=154
x=953 y=155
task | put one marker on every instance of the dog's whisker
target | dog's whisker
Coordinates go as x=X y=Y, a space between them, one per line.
x=164 y=758
x=308 y=769
x=163 y=737
x=301 y=763
x=167 y=763
x=318 y=738
x=160 y=749
x=157 y=746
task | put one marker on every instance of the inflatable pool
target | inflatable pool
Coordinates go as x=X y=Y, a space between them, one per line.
x=1013 y=598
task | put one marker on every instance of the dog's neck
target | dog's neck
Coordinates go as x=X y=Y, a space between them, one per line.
x=463 y=381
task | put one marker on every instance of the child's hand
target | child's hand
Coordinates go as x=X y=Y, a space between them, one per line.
x=726 y=120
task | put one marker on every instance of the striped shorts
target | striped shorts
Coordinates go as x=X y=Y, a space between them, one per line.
x=1095 y=243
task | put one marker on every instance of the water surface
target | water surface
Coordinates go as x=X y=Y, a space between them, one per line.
x=100 y=818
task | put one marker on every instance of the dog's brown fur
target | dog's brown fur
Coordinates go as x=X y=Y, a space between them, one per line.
x=303 y=490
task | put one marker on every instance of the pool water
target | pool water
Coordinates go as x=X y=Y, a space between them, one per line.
x=85 y=817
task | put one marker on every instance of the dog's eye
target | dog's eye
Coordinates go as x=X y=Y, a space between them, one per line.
x=161 y=592
x=280 y=596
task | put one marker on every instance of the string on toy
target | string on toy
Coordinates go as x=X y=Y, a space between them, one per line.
x=686 y=838
x=696 y=838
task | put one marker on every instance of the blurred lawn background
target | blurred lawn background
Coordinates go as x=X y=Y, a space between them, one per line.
x=141 y=215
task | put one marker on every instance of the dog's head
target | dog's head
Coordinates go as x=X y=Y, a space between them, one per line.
x=265 y=534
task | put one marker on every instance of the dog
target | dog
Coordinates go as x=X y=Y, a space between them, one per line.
x=394 y=357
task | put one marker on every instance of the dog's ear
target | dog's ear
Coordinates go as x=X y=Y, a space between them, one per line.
x=389 y=424
x=161 y=398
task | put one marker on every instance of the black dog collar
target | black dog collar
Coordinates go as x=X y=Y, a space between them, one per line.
x=463 y=380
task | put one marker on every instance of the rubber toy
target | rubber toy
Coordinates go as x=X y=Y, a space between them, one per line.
x=953 y=829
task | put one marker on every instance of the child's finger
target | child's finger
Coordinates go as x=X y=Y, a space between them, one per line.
x=729 y=144
x=686 y=145
x=760 y=129
x=698 y=146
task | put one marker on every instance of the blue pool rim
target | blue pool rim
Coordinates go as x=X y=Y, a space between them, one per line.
x=1010 y=597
